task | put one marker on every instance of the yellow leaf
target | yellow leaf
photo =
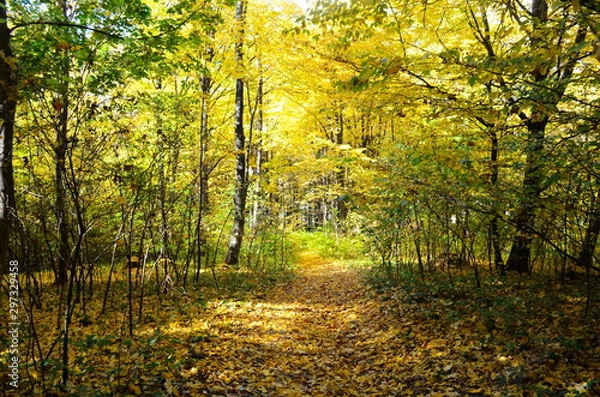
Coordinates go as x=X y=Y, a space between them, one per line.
x=135 y=389
x=168 y=386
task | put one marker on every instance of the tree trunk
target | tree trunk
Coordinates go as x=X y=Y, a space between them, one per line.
x=241 y=185
x=8 y=103
x=548 y=91
x=494 y=232
x=586 y=255
x=204 y=169
x=258 y=207
x=339 y=205
x=61 y=106
x=518 y=259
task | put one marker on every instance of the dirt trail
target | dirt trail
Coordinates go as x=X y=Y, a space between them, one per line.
x=317 y=336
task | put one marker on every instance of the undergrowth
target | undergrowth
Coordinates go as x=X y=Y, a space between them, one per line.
x=537 y=321
x=165 y=314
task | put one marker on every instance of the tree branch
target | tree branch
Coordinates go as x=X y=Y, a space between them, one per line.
x=65 y=24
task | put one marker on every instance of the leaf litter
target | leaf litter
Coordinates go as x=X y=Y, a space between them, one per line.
x=326 y=333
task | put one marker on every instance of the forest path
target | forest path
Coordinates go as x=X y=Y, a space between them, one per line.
x=322 y=335
x=316 y=336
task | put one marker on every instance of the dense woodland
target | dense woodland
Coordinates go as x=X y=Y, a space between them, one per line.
x=172 y=151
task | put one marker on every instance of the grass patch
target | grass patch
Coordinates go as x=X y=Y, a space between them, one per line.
x=329 y=245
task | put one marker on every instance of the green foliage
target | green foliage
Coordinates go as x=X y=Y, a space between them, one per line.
x=329 y=245
x=268 y=251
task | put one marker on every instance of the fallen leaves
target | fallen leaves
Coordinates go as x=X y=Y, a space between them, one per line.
x=324 y=334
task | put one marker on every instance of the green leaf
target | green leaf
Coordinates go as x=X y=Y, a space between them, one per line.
x=579 y=46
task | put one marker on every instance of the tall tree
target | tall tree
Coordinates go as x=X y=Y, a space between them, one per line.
x=204 y=168
x=8 y=103
x=546 y=91
x=61 y=105
x=64 y=70
x=241 y=183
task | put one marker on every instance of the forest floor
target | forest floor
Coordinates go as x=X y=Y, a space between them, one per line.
x=326 y=335
x=317 y=336
x=327 y=332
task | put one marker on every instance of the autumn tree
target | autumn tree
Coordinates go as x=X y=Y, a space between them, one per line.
x=8 y=101
x=482 y=77
x=549 y=81
x=241 y=184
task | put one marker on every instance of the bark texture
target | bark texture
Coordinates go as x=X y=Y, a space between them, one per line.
x=241 y=184
x=8 y=103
